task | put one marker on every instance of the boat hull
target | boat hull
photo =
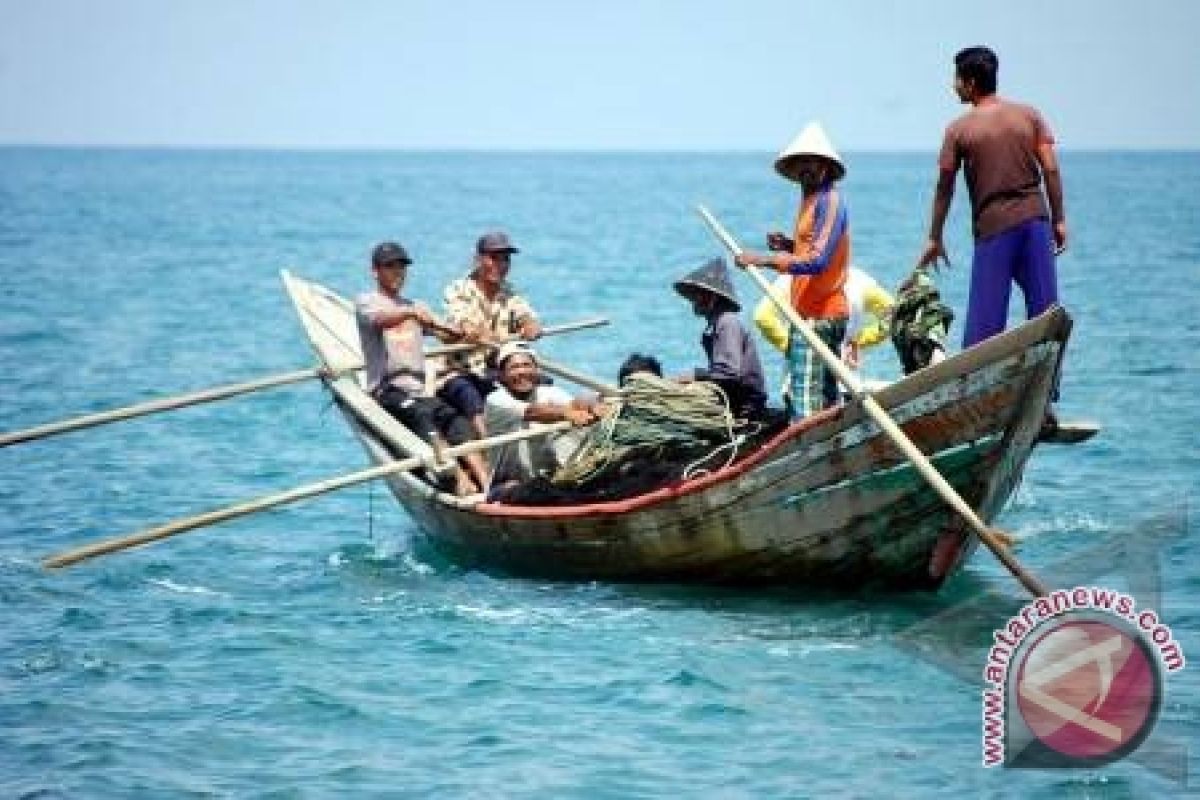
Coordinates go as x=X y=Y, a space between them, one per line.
x=828 y=502
x=833 y=503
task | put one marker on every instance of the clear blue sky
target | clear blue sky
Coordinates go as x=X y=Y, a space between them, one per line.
x=534 y=74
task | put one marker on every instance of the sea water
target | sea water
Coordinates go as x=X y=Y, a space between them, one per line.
x=322 y=651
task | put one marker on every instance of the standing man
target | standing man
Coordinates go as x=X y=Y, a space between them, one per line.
x=489 y=311
x=1006 y=150
x=392 y=329
x=818 y=259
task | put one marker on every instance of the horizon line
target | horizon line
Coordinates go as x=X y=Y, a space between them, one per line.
x=515 y=150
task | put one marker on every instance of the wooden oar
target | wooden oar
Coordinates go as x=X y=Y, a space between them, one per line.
x=578 y=378
x=233 y=390
x=991 y=537
x=155 y=406
x=549 y=330
x=185 y=524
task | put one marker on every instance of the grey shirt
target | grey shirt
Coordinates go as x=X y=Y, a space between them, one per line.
x=733 y=360
x=394 y=355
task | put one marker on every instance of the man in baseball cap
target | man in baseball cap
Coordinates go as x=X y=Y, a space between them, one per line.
x=509 y=349
x=389 y=253
x=391 y=329
x=490 y=311
x=495 y=242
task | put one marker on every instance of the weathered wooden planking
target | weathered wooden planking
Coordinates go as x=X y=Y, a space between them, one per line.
x=833 y=502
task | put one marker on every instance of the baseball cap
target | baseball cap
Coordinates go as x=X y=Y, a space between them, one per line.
x=495 y=242
x=389 y=253
x=509 y=349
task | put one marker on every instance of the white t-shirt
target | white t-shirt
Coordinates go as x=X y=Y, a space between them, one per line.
x=522 y=460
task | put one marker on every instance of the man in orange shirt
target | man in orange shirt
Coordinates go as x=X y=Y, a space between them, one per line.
x=818 y=258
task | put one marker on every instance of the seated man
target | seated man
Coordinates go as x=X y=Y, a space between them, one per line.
x=392 y=328
x=732 y=357
x=638 y=363
x=520 y=402
x=488 y=309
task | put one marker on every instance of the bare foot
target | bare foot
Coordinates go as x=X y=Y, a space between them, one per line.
x=463 y=485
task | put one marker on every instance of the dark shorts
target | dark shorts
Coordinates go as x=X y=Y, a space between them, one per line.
x=425 y=415
x=466 y=393
x=745 y=401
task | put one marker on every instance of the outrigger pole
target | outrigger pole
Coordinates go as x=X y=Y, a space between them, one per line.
x=992 y=537
x=232 y=390
x=185 y=524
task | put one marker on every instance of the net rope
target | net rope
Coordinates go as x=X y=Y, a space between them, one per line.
x=654 y=419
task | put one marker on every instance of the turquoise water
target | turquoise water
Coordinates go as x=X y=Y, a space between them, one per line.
x=321 y=651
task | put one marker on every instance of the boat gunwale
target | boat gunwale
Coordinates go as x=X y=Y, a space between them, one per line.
x=1052 y=325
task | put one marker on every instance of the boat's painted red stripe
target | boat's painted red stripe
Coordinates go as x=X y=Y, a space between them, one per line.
x=671 y=491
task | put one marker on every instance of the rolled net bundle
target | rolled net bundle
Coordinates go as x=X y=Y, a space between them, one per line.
x=655 y=420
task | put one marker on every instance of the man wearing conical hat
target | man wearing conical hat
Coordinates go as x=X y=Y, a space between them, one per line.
x=817 y=257
x=732 y=357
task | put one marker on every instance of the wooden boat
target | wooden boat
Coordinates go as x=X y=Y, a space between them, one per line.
x=830 y=501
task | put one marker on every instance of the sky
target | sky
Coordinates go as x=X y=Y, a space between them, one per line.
x=562 y=74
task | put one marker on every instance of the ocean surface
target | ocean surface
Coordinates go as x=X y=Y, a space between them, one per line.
x=322 y=650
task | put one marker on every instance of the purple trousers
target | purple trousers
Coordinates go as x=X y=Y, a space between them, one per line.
x=1024 y=254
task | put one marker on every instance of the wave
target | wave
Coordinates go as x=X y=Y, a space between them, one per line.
x=183 y=588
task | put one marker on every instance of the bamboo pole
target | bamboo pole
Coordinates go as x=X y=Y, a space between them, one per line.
x=579 y=378
x=549 y=330
x=233 y=390
x=156 y=406
x=993 y=538
x=185 y=524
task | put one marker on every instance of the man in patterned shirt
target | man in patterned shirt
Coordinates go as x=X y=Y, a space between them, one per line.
x=489 y=311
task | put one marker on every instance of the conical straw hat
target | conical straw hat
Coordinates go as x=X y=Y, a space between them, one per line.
x=812 y=141
x=712 y=277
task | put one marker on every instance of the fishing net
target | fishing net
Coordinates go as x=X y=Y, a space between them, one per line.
x=657 y=432
x=920 y=321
